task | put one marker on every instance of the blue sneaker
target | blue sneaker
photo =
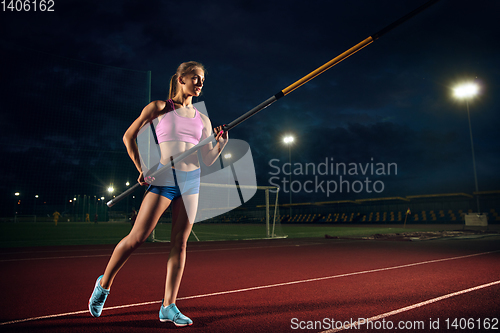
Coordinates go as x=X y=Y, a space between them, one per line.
x=96 y=301
x=172 y=314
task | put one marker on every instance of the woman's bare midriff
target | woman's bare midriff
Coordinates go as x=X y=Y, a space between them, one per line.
x=174 y=149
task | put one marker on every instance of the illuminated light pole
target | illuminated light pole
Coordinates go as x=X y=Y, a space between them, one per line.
x=111 y=189
x=467 y=91
x=95 y=204
x=103 y=211
x=288 y=140
x=17 y=207
x=74 y=214
x=127 y=184
x=34 y=205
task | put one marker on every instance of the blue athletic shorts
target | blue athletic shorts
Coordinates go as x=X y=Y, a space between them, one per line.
x=182 y=183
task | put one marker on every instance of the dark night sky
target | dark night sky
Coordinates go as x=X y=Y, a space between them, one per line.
x=391 y=102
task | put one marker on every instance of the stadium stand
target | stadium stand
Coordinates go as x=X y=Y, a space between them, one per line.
x=431 y=208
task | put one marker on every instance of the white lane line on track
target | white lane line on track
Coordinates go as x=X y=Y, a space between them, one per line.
x=360 y=323
x=158 y=252
x=76 y=313
x=260 y=287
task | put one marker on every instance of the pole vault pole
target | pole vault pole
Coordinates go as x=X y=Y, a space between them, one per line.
x=286 y=91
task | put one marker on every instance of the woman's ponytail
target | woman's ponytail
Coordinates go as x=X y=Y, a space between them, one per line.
x=173 y=86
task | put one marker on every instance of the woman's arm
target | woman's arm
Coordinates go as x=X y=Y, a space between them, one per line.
x=209 y=152
x=150 y=112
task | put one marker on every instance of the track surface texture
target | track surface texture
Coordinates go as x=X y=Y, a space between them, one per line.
x=288 y=285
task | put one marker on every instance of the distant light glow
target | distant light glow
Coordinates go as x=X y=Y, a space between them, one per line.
x=466 y=90
x=127 y=183
x=288 y=139
x=227 y=156
x=111 y=189
x=17 y=194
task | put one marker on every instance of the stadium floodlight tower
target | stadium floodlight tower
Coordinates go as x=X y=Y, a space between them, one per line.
x=288 y=140
x=467 y=91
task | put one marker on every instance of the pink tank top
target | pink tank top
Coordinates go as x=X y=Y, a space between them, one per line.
x=173 y=127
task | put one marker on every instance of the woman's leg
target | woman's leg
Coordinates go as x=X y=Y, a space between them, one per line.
x=152 y=207
x=182 y=207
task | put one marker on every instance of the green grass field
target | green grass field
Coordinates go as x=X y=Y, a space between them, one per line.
x=67 y=233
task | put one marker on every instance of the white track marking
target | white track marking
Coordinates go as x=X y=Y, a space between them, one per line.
x=358 y=324
x=76 y=313
x=261 y=287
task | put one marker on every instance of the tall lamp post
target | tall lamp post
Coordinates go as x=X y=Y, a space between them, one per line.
x=111 y=189
x=126 y=212
x=18 y=202
x=34 y=205
x=288 y=140
x=467 y=91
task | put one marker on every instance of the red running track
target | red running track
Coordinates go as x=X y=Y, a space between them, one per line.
x=307 y=285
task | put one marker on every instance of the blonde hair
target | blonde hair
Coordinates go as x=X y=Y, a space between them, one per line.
x=183 y=69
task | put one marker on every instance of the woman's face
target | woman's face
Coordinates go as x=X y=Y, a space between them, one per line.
x=192 y=83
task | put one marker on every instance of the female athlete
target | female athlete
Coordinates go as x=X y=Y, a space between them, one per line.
x=180 y=127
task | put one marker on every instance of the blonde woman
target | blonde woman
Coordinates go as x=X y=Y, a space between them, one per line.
x=180 y=127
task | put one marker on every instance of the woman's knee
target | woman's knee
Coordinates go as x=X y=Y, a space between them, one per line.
x=133 y=241
x=179 y=243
